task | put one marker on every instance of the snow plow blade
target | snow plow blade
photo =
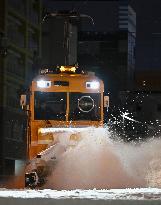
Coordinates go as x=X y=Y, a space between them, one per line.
x=55 y=135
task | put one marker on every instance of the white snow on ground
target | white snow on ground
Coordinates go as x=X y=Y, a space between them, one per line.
x=112 y=194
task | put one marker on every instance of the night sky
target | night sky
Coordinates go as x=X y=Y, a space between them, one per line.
x=148 y=45
x=98 y=10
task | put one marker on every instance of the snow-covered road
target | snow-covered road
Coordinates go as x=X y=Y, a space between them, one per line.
x=114 y=196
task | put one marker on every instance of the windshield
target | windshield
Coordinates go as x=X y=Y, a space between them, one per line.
x=50 y=106
x=85 y=106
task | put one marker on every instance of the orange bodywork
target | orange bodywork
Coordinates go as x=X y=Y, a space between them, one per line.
x=77 y=84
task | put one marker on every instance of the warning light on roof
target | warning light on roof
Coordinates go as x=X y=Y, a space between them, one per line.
x=68 y=69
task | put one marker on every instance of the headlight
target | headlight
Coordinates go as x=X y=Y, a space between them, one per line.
x=93 y=85
x=43 y=84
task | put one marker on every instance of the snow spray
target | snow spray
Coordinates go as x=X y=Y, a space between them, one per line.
x=102 y=163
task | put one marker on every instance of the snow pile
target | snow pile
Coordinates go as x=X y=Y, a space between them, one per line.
x=130 y=194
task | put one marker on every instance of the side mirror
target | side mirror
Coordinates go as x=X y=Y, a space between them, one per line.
x=23 y=100
x=106 y=101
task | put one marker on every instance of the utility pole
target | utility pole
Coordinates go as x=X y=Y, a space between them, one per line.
x=62 y=41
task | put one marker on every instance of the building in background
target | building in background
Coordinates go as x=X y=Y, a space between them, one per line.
x=106 y=54
x=20 y=45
